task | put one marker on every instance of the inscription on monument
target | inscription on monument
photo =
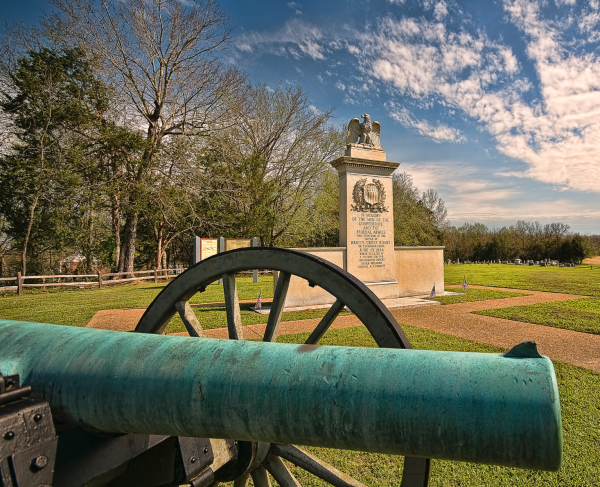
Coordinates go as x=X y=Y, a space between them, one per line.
x=371 y=240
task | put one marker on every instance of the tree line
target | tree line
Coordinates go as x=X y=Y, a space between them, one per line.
x=524 y=240
x=126 y=132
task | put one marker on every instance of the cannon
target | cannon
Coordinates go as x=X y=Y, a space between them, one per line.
x=95 y=407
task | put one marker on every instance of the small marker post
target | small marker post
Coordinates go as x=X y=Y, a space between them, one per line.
x=255 y=271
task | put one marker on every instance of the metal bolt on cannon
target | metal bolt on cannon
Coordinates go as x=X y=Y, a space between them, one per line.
x=95 y=407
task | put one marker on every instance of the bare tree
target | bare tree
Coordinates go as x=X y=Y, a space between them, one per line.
x=556 y=231
x=161 y=59
x=432 y=201
x=522 y=231
x=278 y=152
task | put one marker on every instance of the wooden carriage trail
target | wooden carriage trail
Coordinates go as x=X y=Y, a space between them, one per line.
x=581 y=349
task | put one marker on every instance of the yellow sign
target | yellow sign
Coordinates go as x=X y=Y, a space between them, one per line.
x=208 y=247
x=237 y=243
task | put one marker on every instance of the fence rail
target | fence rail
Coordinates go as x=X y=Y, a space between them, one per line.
x=98 y=279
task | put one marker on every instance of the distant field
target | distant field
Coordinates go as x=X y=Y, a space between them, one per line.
x=593 y=260
x=584 y=279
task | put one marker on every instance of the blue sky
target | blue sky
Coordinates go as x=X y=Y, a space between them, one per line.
x=494 y=104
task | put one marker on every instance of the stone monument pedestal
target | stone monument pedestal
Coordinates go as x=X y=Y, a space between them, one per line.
x=366 y=218
x=396 y=275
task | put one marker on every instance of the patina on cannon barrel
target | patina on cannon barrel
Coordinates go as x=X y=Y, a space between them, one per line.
x=485 y=408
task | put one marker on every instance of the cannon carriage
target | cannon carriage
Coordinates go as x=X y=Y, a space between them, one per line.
x=94 y=407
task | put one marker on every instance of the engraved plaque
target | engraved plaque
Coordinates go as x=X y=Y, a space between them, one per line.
x=237 y=243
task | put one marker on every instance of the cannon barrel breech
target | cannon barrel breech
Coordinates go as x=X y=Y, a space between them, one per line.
x=476 y=407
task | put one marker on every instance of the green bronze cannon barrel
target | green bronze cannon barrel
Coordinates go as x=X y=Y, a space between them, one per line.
x=476 y=407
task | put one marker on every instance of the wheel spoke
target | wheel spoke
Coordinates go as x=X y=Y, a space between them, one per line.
x=315 y=466
x=242 y=481
x=416 y=472
x=283 y=283
x=191 y=323
x=260 y=477
x=232 y=306
x=325 y=323
x=280 y=472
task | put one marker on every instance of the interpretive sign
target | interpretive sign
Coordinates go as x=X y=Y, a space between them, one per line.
x=208 y=247
x=237 y=243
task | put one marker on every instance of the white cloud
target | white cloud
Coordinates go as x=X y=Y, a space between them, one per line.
x=557 y=136
x=312 y=48
x=440 y=10
x=340 y=86
x=296 y=37
x=354 y=50
x=295 y=7
x=472 y=195
x=439 y=132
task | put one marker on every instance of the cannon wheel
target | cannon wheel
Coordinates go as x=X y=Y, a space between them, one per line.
x=348 y=291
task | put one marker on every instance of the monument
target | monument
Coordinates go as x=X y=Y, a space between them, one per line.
x=366 y=213
x=366 y=247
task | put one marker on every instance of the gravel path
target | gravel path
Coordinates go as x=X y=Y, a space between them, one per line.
x=580 y=349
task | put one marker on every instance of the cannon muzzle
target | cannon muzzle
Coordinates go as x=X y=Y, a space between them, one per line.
x=475 y=407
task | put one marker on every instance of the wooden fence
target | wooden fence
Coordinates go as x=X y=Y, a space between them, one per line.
x=96 y=279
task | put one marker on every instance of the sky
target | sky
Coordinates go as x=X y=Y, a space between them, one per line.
x=495 y=104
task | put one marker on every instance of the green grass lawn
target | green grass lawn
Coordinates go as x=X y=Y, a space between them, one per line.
x=575 y=314
x=571 y=280
x=475 y=295
x=580 y=401
x=76 y=307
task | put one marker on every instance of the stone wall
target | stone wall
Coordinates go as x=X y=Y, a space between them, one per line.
x=417 y=269
x=300 y=293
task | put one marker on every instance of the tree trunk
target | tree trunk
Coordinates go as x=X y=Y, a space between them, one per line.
x=128 y=247
x=159 y=244
x=89 y=254
x=116 y=227
x=27 y=234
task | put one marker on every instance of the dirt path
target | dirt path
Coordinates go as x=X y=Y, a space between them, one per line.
x=581 y=349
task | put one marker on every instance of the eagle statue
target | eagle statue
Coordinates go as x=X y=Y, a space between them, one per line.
x=366 y=133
